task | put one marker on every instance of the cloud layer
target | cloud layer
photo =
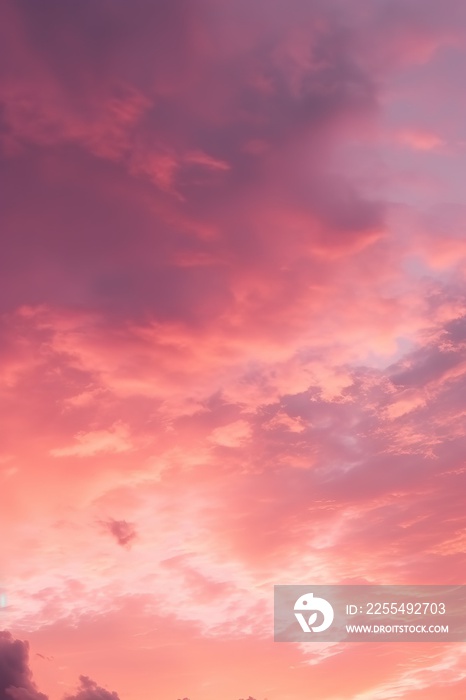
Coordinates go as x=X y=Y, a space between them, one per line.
x=232 y=337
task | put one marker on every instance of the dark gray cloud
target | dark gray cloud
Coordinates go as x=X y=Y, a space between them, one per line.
x=15 y=675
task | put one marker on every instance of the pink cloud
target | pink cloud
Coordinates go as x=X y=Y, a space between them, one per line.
x=232 y=334
x=420 y=140
x=115 y=439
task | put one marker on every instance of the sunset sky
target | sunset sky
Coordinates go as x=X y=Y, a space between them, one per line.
x=232 y=340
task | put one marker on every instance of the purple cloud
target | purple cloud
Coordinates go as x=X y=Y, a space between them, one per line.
x=89 y=690
x=15 y=675
x=122 y=531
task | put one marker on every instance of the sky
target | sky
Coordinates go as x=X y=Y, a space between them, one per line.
x=232 y=340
